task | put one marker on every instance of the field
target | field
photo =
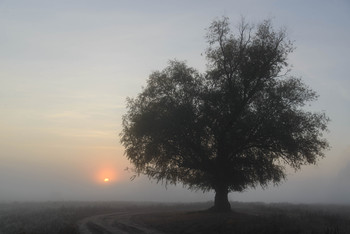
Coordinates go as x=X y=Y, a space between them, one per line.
x=62 y=217
x=52 y=217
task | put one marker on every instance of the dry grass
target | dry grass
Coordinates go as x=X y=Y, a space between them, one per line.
x=254 y=218
x=52 y=217
x=61 y=217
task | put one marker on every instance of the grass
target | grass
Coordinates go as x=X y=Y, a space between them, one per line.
x=255 y=218
x=61 y=217
x=52 y=217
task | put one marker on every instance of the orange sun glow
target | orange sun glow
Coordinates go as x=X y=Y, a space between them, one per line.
x=106 y=175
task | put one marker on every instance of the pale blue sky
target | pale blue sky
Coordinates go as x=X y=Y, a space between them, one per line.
x=66 y=68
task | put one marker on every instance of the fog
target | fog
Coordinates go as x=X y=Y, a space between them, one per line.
x=67 y=68
x=35 y=184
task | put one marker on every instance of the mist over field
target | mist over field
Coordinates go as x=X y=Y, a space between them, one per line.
x=67 y=68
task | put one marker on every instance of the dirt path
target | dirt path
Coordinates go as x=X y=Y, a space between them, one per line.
x=118 y=223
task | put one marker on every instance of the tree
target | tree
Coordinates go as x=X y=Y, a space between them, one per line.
x=239 y=125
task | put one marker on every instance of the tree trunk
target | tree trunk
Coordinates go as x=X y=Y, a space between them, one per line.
x=221 y=203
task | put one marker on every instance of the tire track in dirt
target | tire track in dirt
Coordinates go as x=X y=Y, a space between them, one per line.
x=114 y=223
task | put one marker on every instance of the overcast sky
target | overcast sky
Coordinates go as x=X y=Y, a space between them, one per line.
x=66 y=68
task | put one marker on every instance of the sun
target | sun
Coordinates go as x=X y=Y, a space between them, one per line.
x=106 y=175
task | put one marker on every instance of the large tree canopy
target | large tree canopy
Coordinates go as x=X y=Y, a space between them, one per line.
x=238 y=125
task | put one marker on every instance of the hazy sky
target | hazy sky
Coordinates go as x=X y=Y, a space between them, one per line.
x=66 y=68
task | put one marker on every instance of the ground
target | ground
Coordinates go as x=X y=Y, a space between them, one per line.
x=158 y=218
x=254 y=218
